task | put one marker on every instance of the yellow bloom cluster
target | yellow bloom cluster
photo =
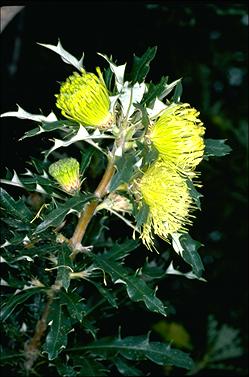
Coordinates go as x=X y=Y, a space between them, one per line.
x=84 y=98
x=178 y=137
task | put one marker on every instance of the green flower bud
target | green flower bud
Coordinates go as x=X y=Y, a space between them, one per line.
x=67 y=173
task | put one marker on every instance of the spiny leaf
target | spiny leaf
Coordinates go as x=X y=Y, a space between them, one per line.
x=141 y=65
x=216 y=147
x=56 y=217
x=64 y=369
x=86 y=157
x=22 y=114
x=109 y=296
x=64 y=266
x=89 y=367
x=74 y=304
x=65 y=56
x=56 y=339
x=120 y=251
x=48 y=127
x=136 y=288
x=16 y=209
x=125 y=368
x=178 y=92
x=9 y=306
x=125 y=166
x=194 y=193
x=139 y=348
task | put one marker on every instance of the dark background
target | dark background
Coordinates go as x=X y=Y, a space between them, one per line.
x=206 y=44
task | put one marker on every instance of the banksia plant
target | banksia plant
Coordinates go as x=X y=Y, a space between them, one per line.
x=66 y=272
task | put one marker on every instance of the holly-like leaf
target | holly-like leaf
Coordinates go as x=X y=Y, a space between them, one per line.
x=9 y=306
x=120 y=251
x=48 y=127
x=141 y=65
x=86 y=157
x=22 y=114
x=64 y=369
x=16 y=209
x=178 y=92
x=64 y=266
x=136 y=288
x=109 y=296
x=187 y=247
x=216 y=147
x=55 y=217
x=139 y=348
x=60 y=325
x=65 y=56
x=74 y=304
x=125 y=167
x=142 y=214
x=126 y=368
x=194 y=193
x=89 y=366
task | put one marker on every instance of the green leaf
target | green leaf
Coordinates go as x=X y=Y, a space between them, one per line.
x=187 y=247
x=216 y=147
x=89 y=367
x=178 y=92
x=16 y=209
x=86 y=157
x=141 y=65
x=139 y=348
x=136 y=288
x=48 y=127
x=125 y=368
x=60 y=325
x=125 y=167
x=74 y=304
x=109 y=296
x=56 y=217
x=155 y=90
x=120 y=251
x=64 y=369
x=64 y=266
x=9 y=306
x=194 y=193
x=142 y=215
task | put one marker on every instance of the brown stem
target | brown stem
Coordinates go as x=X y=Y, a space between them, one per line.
x=33 y=346
x=88 y=213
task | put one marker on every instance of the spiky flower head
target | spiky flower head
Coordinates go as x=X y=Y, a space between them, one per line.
x=67 y=173
x=84 y=98
x=178 y=137
x=167 y=195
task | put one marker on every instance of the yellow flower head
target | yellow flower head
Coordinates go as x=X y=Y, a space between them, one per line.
x=178 y=137
x=167 y=195
x=67 y=174
x=84 y=98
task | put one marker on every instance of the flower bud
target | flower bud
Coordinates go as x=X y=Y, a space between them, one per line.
x=66 y=173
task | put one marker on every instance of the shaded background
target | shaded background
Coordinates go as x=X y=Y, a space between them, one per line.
x=206 y=44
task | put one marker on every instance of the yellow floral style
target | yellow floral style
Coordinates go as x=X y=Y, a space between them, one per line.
x=84 y=98
x=167 y=194
x=178 y=137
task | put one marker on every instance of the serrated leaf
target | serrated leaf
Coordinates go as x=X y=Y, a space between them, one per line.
x=89 y=367
x=109 y=296
x=187 y=247
x=117 y=70
x=141 y=65
x=64 y=266
x=139 y=348
x=216 y=147
x=64 y=369
x=194 y=193
x=16 y=209
x=120 y=251
x=131 y=95
x=178 y=92
x=56 y=217
x=60 y=325
x=9 y=306
x=65 y=56
x=125 y=167
x=86 y=157
x=74 y=304
x=125 y=368
x=142 y=214
x=82 y=134
x=48 y=127
x=22 y=114
x=136 y=288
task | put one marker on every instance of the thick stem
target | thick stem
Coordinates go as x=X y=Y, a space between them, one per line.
x=88 y=213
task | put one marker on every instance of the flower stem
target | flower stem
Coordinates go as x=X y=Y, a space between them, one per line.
x=89 y=210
